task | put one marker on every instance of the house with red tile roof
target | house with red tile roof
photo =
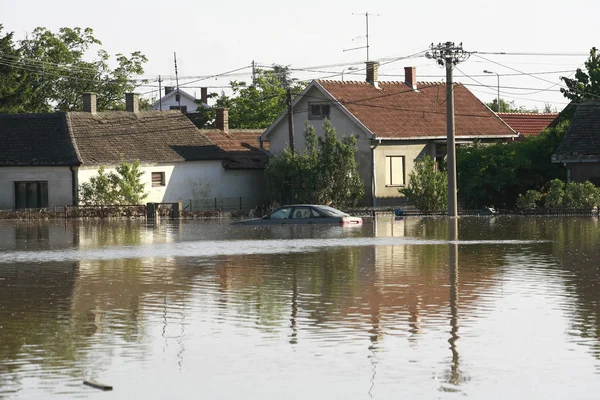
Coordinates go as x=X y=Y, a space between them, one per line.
x=528 y=124
x=395 y=123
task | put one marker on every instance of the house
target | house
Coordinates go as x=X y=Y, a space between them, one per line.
x=579 y=150
x=45 y=157
x=528 y=124
x=178 y=99
x=395 y=123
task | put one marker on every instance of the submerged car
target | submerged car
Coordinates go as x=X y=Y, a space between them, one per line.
x=304 y=214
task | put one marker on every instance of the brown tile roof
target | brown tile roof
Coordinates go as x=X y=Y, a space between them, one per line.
x=582 y=139
x=528 y=124
x=241 y=146
x=36 y=139
x=149 y=136
x=397 y=111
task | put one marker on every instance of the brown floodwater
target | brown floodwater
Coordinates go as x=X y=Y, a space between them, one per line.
x=416 y=308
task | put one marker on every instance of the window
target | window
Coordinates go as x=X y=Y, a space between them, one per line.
x=183 y=109
x=318 y=110
x=394 y=170
x=31 y=194
x=158 y=179
x=282 y=213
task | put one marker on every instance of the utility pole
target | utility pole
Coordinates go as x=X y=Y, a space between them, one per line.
x=253 y=73
x=449 y=54
x=290 y=117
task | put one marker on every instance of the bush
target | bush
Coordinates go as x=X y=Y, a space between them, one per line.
x=529 y=201
x=121 y=187
x=427 y=187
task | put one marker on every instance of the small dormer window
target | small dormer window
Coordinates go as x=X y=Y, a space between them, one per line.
x=318 y=110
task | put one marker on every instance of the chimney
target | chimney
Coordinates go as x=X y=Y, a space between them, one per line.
x=410 y=77
x=204 y=95
x=373 y=73
x=222 y=120
x=168 y=89
x=89 y=102
x=132 y=102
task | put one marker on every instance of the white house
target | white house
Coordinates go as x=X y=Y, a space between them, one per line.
x=178 y=99
x=45 y=157
x=394 y=123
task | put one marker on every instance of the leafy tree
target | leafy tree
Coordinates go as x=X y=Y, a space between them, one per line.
x=46 y=72
x=509 y=106
x=123 y=186
x=427 y=187
x=496 y=174
x=584 y=85
x=257 y=105
x=324 y=173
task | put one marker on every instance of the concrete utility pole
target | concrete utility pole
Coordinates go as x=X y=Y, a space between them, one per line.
x=449 y=54
x=290 y=117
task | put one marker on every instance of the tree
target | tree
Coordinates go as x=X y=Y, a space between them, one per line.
x=324 y=173
x=46 y=72
x=256 y=106
x=584 y=85
x=509 y=106
x=427 y=187
x=123 y=186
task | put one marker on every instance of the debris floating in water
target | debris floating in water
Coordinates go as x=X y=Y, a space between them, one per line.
x=98 y=385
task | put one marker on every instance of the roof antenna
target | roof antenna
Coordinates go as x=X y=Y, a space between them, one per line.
x=177 y=96
x=367 y=28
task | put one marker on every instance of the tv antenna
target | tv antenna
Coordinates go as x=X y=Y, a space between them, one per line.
x=367 y=15
x=177 y=95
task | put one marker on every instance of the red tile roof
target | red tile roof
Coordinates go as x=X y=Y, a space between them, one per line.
x=528 y=123
x=396 y=111
x=241 y=145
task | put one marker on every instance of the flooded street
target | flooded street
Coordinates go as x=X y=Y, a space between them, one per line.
x=391 y=309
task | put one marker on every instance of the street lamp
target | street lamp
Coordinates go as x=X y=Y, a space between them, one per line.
x=348 y=69
x=492 y=72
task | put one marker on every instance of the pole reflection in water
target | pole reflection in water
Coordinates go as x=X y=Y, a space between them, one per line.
x=454 y=376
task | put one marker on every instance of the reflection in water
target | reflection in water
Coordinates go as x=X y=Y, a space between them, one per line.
x=324 y=312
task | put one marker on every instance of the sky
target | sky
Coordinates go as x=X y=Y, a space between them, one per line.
x=544 y=39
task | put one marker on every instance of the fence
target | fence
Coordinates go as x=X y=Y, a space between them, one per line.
x=223 y=204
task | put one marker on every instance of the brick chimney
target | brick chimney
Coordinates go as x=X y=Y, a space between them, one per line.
x=89 y=102
x=132 y=102
x=168 y=89
x=410 y=77
x=373 y=73
x=222 y=120
x=204 y=95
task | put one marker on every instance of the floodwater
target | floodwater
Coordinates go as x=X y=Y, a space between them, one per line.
x=417 y=308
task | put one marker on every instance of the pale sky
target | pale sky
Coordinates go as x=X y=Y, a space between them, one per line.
x=213 y=37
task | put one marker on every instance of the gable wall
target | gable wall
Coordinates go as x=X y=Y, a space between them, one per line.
x=279 y=137
x=58 y=178
x=185 y=101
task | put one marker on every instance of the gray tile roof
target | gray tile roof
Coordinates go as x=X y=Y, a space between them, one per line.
x=582 y=140
x=36 y=139
x=149 y=136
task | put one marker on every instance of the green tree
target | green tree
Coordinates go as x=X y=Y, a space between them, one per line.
x=324 y=173
x=509 y=106
x=123 y=186
x=584 y=85
x=47 y=71
x=427 y=187
x=257 y=105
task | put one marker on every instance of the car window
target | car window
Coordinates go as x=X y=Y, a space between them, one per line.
x=301 y=212
x=282 y=213
x=315 y=214
x=332 y=211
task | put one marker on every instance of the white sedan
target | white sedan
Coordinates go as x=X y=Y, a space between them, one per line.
x=304 y=214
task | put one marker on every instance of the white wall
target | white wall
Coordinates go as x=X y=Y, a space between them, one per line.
x=193 y=180
x=167 y=103
x=58 y=178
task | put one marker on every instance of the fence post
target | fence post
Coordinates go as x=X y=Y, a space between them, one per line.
x=216 y=204
x=240 y=202
x=191 y=205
